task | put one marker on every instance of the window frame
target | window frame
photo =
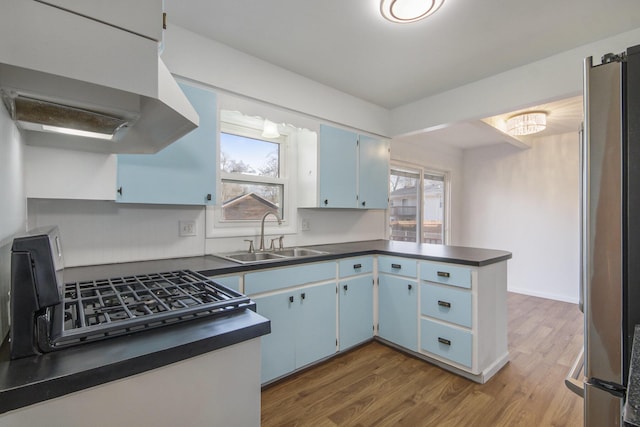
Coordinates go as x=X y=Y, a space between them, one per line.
x=251 y=127
x=422 y=171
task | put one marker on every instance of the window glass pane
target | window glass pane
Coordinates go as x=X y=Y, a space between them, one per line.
x=433 y=209
x=248 y=156
x=403 y=205
x=250 y=201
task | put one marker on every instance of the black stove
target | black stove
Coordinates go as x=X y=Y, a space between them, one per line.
x=47 y=316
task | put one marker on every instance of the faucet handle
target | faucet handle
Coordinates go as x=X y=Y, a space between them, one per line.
x=273 y=246
x=251 y=248
x=281 y=242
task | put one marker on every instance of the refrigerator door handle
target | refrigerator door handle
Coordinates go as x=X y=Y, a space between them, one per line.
x=575 y=378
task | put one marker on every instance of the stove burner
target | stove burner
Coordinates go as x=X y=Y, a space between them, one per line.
x=98 y=309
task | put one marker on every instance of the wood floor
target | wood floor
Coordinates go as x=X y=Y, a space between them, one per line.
x=375 y=385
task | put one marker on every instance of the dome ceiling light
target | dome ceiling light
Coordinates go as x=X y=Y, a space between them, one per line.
x=405 y=11
x=527 y=123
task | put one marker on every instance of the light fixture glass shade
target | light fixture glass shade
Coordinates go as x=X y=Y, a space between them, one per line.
x=527 y=123
x=270 y=129
x=404 y=11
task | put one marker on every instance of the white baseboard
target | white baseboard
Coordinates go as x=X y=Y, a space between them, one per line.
x=556 y=297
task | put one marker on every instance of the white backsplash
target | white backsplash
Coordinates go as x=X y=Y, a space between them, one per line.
x=102 y=232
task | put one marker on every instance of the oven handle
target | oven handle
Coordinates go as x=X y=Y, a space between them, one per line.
x=575 y=378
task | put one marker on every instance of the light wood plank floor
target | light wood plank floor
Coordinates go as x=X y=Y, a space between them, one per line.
x=375 y=385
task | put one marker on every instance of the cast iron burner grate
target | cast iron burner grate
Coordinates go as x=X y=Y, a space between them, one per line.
x=103 y=308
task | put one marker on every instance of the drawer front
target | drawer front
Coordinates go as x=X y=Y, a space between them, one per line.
x=353 y=266
x=446 y=274
x=231 y=282
x=448 y=304
x=280 y=278
x=446 y=341
x=400 y=266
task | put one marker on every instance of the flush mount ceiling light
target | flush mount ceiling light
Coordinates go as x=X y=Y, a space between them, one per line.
x=405 y=11
x=527 y=123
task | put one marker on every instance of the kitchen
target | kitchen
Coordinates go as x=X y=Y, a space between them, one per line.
x=101 y=231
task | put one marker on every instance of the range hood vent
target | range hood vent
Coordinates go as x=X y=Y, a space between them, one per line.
x=41 y=115
x=72 y=82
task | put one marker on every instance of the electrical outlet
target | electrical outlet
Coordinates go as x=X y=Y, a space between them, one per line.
x=305 y=226
x=187 y=228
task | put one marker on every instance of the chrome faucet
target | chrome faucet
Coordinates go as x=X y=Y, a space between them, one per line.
x=261 y=248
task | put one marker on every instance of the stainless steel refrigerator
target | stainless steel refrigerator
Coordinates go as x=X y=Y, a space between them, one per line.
x=610 y=235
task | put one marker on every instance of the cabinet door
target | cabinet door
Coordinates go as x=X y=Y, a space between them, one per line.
x=398 y=311
x=356 y=310
x=316 y=323
x=182 y=173
x=373 y=173
x=337 y=168
x=278 y=347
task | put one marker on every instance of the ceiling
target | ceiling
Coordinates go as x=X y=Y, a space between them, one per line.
x=347 y=45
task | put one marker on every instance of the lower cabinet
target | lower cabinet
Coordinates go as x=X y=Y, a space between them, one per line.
x=356 y=310
x=398 y=311
x=303 y=328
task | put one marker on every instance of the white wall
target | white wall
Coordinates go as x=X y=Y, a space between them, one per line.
x=13 y=202
x=419 y=151
x=527 y=202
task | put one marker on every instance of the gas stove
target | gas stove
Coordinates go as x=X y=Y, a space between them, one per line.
x=47 y=315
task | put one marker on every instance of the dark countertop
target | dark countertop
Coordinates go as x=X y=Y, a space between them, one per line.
x=632 y=403
x=34 y=379
x=211 y=265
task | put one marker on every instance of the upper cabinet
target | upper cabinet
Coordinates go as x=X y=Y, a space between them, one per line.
x=344 y=170
x=182 y=173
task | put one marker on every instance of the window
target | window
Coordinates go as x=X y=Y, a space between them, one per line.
x=251 y=180
x=417 y=205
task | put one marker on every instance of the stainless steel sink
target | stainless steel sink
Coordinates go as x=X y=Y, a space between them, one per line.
x=298 y=252
x=267 y=256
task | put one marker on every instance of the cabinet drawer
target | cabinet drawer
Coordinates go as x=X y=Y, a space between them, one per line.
x=446 y=274
x=231 y=282
x=448 y=304
x=353 y=266
x=280 y=278
x=446 y=341
x=399 y=266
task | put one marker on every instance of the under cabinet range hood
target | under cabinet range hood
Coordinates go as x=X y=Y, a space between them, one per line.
x=75 y=82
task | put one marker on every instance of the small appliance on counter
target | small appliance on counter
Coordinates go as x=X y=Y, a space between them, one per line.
x=48 y=315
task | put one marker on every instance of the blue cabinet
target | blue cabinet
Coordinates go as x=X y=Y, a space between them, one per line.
x=373 y=173
x=355 y=310
x=231 y=282
x=338 y=151
x=303 y=318
x=353 y=170
x=315 y=323
x=398 y=310
x=183 y=172
x=278 y=347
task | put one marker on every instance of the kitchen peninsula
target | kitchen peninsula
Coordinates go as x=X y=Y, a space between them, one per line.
x=472 y=343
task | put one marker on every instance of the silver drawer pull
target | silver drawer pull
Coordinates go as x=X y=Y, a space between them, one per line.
x=444 y=274
x=444 y=304
x=444 y=341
